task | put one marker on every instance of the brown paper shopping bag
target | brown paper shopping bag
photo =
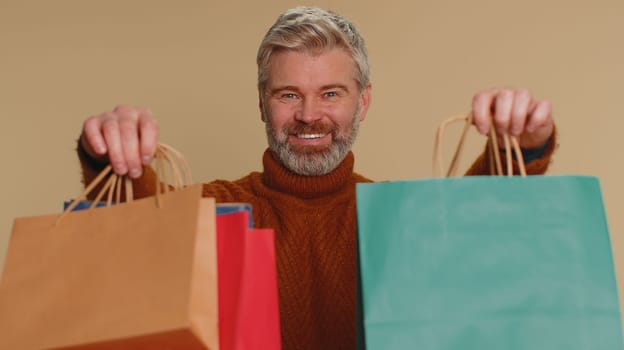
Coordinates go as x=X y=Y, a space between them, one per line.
x=137 y=275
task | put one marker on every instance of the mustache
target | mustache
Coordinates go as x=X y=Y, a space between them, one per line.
x=313 y=128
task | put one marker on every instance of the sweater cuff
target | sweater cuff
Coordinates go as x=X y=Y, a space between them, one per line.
x=88 y=162
x=531 y=154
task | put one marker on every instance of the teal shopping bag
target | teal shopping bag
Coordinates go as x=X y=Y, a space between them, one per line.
x=480 y=263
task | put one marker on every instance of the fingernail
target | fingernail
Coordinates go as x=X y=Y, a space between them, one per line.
x=120 y=169
x=100 y=149
x=147 y=160
x=135 y=173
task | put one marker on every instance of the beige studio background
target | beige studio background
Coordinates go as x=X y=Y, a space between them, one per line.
x=192 y=62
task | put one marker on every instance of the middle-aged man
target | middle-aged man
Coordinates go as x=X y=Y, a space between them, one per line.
x=314 y=90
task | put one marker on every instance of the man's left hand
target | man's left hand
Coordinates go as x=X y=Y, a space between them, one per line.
x=514 y=112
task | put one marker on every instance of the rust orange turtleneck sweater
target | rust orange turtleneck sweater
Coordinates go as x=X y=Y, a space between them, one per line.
x=314 y=219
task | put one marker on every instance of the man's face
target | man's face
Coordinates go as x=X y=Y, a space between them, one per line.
x=312 y=109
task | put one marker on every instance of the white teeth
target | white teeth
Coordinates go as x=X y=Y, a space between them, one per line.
x=310 y=136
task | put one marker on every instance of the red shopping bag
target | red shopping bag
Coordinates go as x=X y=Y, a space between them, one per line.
x=247 y=280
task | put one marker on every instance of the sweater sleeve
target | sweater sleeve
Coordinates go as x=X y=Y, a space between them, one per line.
x=484 y=163
x=144 y=186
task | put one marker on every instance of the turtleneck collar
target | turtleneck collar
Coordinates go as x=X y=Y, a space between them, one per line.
x=277 y=177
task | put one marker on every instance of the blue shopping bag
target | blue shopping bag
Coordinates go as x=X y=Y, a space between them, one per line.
x=222 y=208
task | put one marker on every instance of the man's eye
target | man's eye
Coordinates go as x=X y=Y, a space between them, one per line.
x=331 y=94
x=289 y=95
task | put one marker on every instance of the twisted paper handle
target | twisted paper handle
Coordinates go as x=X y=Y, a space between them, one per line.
x=166 y=157
x=495 y=168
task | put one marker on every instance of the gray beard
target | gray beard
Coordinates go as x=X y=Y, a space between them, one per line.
x=314 y=162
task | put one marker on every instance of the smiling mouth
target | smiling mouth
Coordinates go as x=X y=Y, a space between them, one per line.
x=310 y=136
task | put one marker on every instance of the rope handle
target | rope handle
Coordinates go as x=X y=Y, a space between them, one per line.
x=495 y=167
x=165 y=157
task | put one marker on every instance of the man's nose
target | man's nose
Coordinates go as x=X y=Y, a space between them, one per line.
x=309 y=111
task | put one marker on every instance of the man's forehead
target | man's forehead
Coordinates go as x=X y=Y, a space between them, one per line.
x=295 y=68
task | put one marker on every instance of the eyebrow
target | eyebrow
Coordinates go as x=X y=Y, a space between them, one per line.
x=282 y=88
x=335 y=86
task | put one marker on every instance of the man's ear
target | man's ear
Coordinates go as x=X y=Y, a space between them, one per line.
x=365 y=101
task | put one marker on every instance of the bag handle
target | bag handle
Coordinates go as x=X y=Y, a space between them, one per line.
x=495 y=168
x=166 y=157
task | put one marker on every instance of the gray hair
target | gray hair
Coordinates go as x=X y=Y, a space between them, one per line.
x=313 y=30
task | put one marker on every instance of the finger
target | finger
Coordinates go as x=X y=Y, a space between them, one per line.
x=112 y=137
x=129 y=138
x=92 y=139
x=482 y=110
x=541 y=116
x=502 y=112
x=148 y=134
x=129 y=134
x=520 y=111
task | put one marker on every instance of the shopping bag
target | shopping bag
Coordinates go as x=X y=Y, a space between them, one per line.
x=248 y=297
x=486 y=263
x=137 y=275
x=222 y=208
x=226 y=208
x=244 y=255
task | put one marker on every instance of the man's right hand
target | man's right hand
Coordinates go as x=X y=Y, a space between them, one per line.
x=126 y=137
